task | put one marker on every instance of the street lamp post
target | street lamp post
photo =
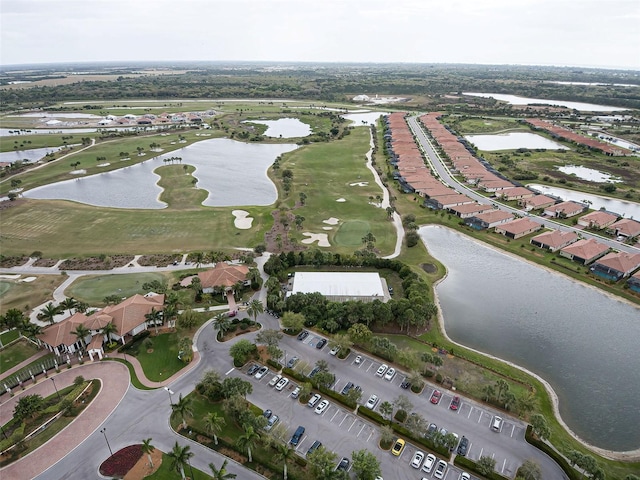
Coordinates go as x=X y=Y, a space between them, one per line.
x=170 y=393
x=56 y=389
x=103 y=432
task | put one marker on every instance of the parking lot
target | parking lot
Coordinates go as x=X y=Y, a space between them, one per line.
x=346 y=432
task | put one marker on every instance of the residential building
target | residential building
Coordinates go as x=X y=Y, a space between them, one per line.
x=488 y=219
x=517 y=193
x=518 y=228
x=536 y=202
x=616 y=265
x=470 y=209
x=584 y=251
x=598 y=219
x=222 y=275
x=626 y=228
x=554 y=240
x=564 y=209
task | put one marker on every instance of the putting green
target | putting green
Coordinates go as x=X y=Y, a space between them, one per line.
x=94 y=289
x=351 y=232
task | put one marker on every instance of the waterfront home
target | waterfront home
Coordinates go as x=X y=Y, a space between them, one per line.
x=517 y=193
x=564 y=210
x=536 y=202
x=488 y=219
x=470 y=209
x=584 y=251
x=598 y=219
x=554 y=240
x=447 y=201
x=626 y=228
x=495 y=185
x=616 y=265
x=518 y=228
x=634 y=282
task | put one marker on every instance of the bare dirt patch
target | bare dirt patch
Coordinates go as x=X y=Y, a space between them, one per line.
x=96 y=263
x=429 y=267
x=277 y=239
x=8 y=262
x=45 y=262
x=158 y=260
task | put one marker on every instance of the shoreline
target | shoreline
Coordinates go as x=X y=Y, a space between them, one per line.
x=627 y=456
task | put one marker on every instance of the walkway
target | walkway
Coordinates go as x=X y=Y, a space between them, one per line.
x=21 y=365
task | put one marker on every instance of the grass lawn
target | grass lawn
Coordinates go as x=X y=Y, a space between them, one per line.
x=162 y=361
x=24 y=296
x=27 y=142
x=14 y=354
x=93 y=289
x=9 y=336
x=4 y=288
x=165 y=472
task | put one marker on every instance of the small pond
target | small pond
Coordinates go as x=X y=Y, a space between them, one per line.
x=56 y=115
x=516 y=100
x=284 y=128
x=588 y=174
x=513 y=141
x=32 y=154
x=364 y=118
x=234 y=174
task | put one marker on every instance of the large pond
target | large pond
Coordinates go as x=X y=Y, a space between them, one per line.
x=589 y=174
x=32 y=154
x=363 y=118
x=596 y=202
x=234 y=174
x=284 y=128
x=513 y=141
x=516 y=100
x=57 y=115
x=584 y=343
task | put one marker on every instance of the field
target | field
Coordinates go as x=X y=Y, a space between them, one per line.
x=93 y=289
x=24 y=296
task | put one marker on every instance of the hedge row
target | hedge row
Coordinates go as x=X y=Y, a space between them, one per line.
x=138 y=337
x=470 y=465
x=338 y=397
x=571 y=472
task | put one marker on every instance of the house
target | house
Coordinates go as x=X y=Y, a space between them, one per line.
x=517 y=193
x=584 y=251
x=223 y=275
x=625 y=227
x=634 y=282
x=616 y=265
x=536 y=202
x=495 y=185
x=598 y=219
x=518 y=228
x=564 y=209
x=128 y=318
x=554 y=240
x=488 y=219
x=447 y=201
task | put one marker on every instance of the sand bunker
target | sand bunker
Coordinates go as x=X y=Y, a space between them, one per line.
x=341 y=200
x=331 y=221
x=322 y=239
x=10 y=277
x=78 y=172
x=28 y=279
x=104 y=164
x=327 y=228
x=242 y=221
x=359 y=184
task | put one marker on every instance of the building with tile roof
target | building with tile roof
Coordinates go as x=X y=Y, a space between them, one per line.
x=598 y=219
x=518 y=228
x=616 y=265
x=490 y=219
x=536 y=202
x=564 y=209
x=625 y=227
x=584 y=251
x=554 y=240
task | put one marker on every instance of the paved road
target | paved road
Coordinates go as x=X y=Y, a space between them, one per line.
x=448 y=179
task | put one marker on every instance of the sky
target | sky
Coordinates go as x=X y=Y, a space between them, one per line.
x=588 y=33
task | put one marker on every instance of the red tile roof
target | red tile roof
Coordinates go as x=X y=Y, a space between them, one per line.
x=585 y=249
x=622 y=261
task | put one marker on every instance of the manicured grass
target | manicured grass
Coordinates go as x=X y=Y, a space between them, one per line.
x=4 y=288
x=132 y=372
x=179 y=191
x=29 y=141
x=9 y=336
x=165 y=472
x=26 y=295
x=16 y=353
x=93 y=289
x=163 y=361
x=350 y=233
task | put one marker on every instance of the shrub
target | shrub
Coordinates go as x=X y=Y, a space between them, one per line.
x=557 y=457
x=470 y=465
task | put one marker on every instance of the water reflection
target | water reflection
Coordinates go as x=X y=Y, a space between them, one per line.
x=516 y=100
x=513 y=141
x=32 y=154
x=284 y=128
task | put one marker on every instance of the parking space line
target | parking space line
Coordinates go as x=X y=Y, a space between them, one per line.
x=370 y=366
x=363 y=425
x=470 y=412
x=513 y=429
x=469 y=449
x=334 y=415
x=230 y=371
x=345 y=417
x=480 y=417
x=354 y=422
x=504 y=465
x=370 y=435
x=481 y=450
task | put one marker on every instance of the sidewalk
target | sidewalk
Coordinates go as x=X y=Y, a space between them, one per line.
x=137 y=367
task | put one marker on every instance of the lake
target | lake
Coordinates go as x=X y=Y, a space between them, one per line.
x=284 y=128
x=516 y=100
x=588 y=174
x=32 y=154
x=596 y=202
x=234 y=174
x=363 y=118
x=583 y=342
x=513 y=141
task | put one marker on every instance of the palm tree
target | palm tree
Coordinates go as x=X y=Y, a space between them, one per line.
x=247 y=440
x=68 y=303
x=49 y=312
x=109 y=329
x=285 y=453
x=213 y=423
x=221 y=323
x=255 y=308
x=199 y=257
x=81 y=333
x=221 y=473
x=179 y=457
x=29 y=330
x=148 y=449
x=182 y=408
x=154 y=316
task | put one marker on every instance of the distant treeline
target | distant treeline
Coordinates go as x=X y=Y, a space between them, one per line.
x=340 y=82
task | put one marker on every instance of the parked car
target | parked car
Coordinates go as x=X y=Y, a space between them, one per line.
x=496 y=424
x=435 y=397
x=464 y=476
x=390 y=374
x=273 y=419
x=322 y=406
x=253 y=369
x=261 y=372
x=267 y=413
x=292 y=361
x=416 y=461
x=313 y=372
x=455 y=403
x=321 y=343
x=398 y=447
x=282 y=383
x=314 y=446
x=295 y=438
x=463 y=446
x=429 y=462
x=381 y=369
x=343 y=464
x=274 y=380
x=313 y=400
x=455 y=444
x=295 y=393
x=433 y=428
x=406 y=384
x=441 y=469
x=303 y=334
x=334 y=350
x=346 y=388
x=358 y=360
x=371 y=403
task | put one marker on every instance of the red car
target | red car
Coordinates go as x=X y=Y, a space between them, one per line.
x=455 y=403
x=435 y=396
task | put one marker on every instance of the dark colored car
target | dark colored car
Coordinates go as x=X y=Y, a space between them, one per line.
x=267 y=414
x=295 y=439
x=321 y=343
x=313 y=372
x=455 y=403
x=253 y=369
x=464 y=445
x=406 y=384
x=433 y=428
x=314 y=446
x=347 y=387
x=344 y=464
x=303 y=334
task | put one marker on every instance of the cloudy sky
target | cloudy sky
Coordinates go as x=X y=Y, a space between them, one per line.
x=601 y=33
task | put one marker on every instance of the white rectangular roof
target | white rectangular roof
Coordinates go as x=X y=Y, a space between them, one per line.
x=343 y=284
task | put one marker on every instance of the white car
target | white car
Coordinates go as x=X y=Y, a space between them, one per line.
x=381 y=369
x=322 y=406
x=274 y=380
x=282 y=383
x=371 y=403
x=313 y=400
x=358 y=360
x=464 y=476
x=334 y=350
x=496 y=425
x=441 y=469
x=296 y=392
x=416 y=461
x=429 y=463
x=261 y=373
x=390 y=373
